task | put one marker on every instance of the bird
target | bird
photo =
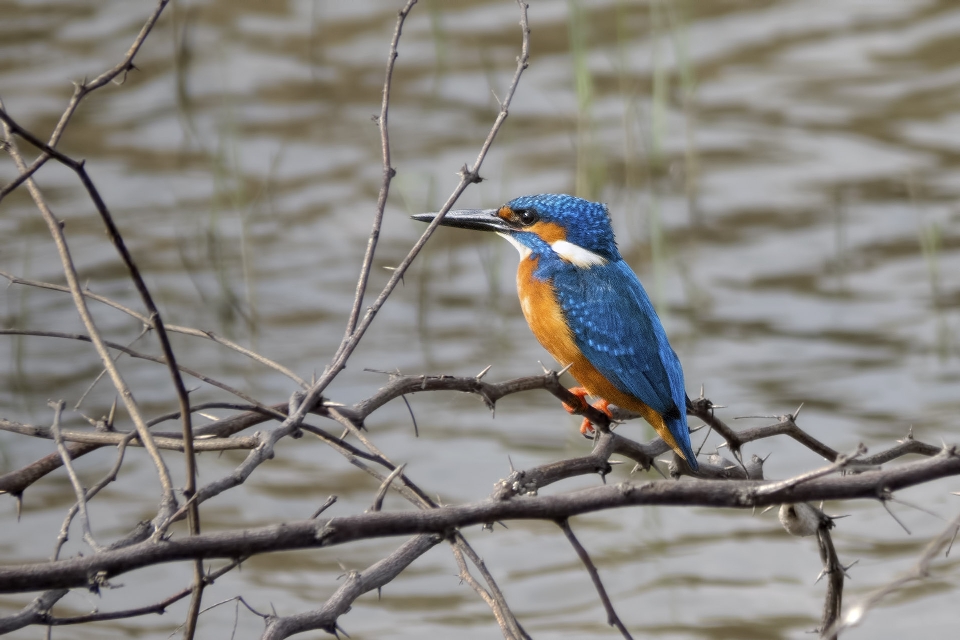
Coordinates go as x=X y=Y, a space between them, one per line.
x=588 y=308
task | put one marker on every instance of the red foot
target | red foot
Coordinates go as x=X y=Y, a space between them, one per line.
x=586 y=428
x=581 y=394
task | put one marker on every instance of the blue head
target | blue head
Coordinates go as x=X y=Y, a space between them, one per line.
x=575 y=230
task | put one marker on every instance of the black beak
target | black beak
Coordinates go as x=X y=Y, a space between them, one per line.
x=476 y=219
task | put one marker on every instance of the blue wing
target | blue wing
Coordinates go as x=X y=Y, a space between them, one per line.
x=616 y=327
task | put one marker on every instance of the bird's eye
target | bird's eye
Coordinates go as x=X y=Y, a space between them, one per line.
x=527 y=217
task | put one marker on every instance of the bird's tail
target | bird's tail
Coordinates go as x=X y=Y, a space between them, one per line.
x=681 y=436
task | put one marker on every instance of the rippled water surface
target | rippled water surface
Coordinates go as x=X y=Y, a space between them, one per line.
x=782 y=175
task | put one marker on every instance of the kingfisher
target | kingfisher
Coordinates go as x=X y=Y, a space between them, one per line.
x=588 y=309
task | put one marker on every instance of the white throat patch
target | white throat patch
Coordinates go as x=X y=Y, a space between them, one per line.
x=577 y=255
x=524 y=250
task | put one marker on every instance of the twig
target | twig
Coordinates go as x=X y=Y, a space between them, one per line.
x=384 y=486
x=74 y=480
x=388 y=173
x=144 y=356
x=104 y=439
x=507 y=621
x=920 y=571
x=356 y=584
x=326 y=505
x=612 y=618
x=91 y=493
x=833 y=569
x=158 y=608
x=171 y=328
x=508 y=625
x=81 y=91
x=839 y=463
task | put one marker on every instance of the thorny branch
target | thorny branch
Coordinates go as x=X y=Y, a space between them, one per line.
x=76 y=572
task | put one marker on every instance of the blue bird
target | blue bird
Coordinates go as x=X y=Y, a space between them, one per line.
x=588 y=309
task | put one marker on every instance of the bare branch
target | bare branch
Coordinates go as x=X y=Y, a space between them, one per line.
x=76 y=572
x=356 y=584
x=103 y=438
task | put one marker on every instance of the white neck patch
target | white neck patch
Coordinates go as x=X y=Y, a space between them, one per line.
x=577 y=255
x=524 y=250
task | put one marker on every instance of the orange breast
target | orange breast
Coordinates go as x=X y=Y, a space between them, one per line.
x=538 y=301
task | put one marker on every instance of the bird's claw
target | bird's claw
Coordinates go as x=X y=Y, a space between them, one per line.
x=581 y=394
x=586 y=427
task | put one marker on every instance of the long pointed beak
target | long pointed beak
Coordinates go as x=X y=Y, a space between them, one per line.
x=476 y=219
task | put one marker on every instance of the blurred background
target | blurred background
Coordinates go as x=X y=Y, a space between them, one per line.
x=783 y=176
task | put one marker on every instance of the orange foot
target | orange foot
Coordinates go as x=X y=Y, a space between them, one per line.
x=586 y=427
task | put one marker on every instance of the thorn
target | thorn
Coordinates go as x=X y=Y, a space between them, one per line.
x=510 y=460
x=883 y=501
x=484 y=372
x=329 y=501
x=701 y=391
x=613 y=462
x=111 y=415
x=768 y=509
x=416 y=429
x=797 y=412
x=564 y=370
x=545 y=370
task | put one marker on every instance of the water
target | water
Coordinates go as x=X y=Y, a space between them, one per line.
x=796 y=222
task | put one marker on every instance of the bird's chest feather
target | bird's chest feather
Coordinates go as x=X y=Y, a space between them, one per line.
x=547 y=319
x=538 y=301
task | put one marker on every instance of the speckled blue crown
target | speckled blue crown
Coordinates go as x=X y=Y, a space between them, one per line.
x=587 y=223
